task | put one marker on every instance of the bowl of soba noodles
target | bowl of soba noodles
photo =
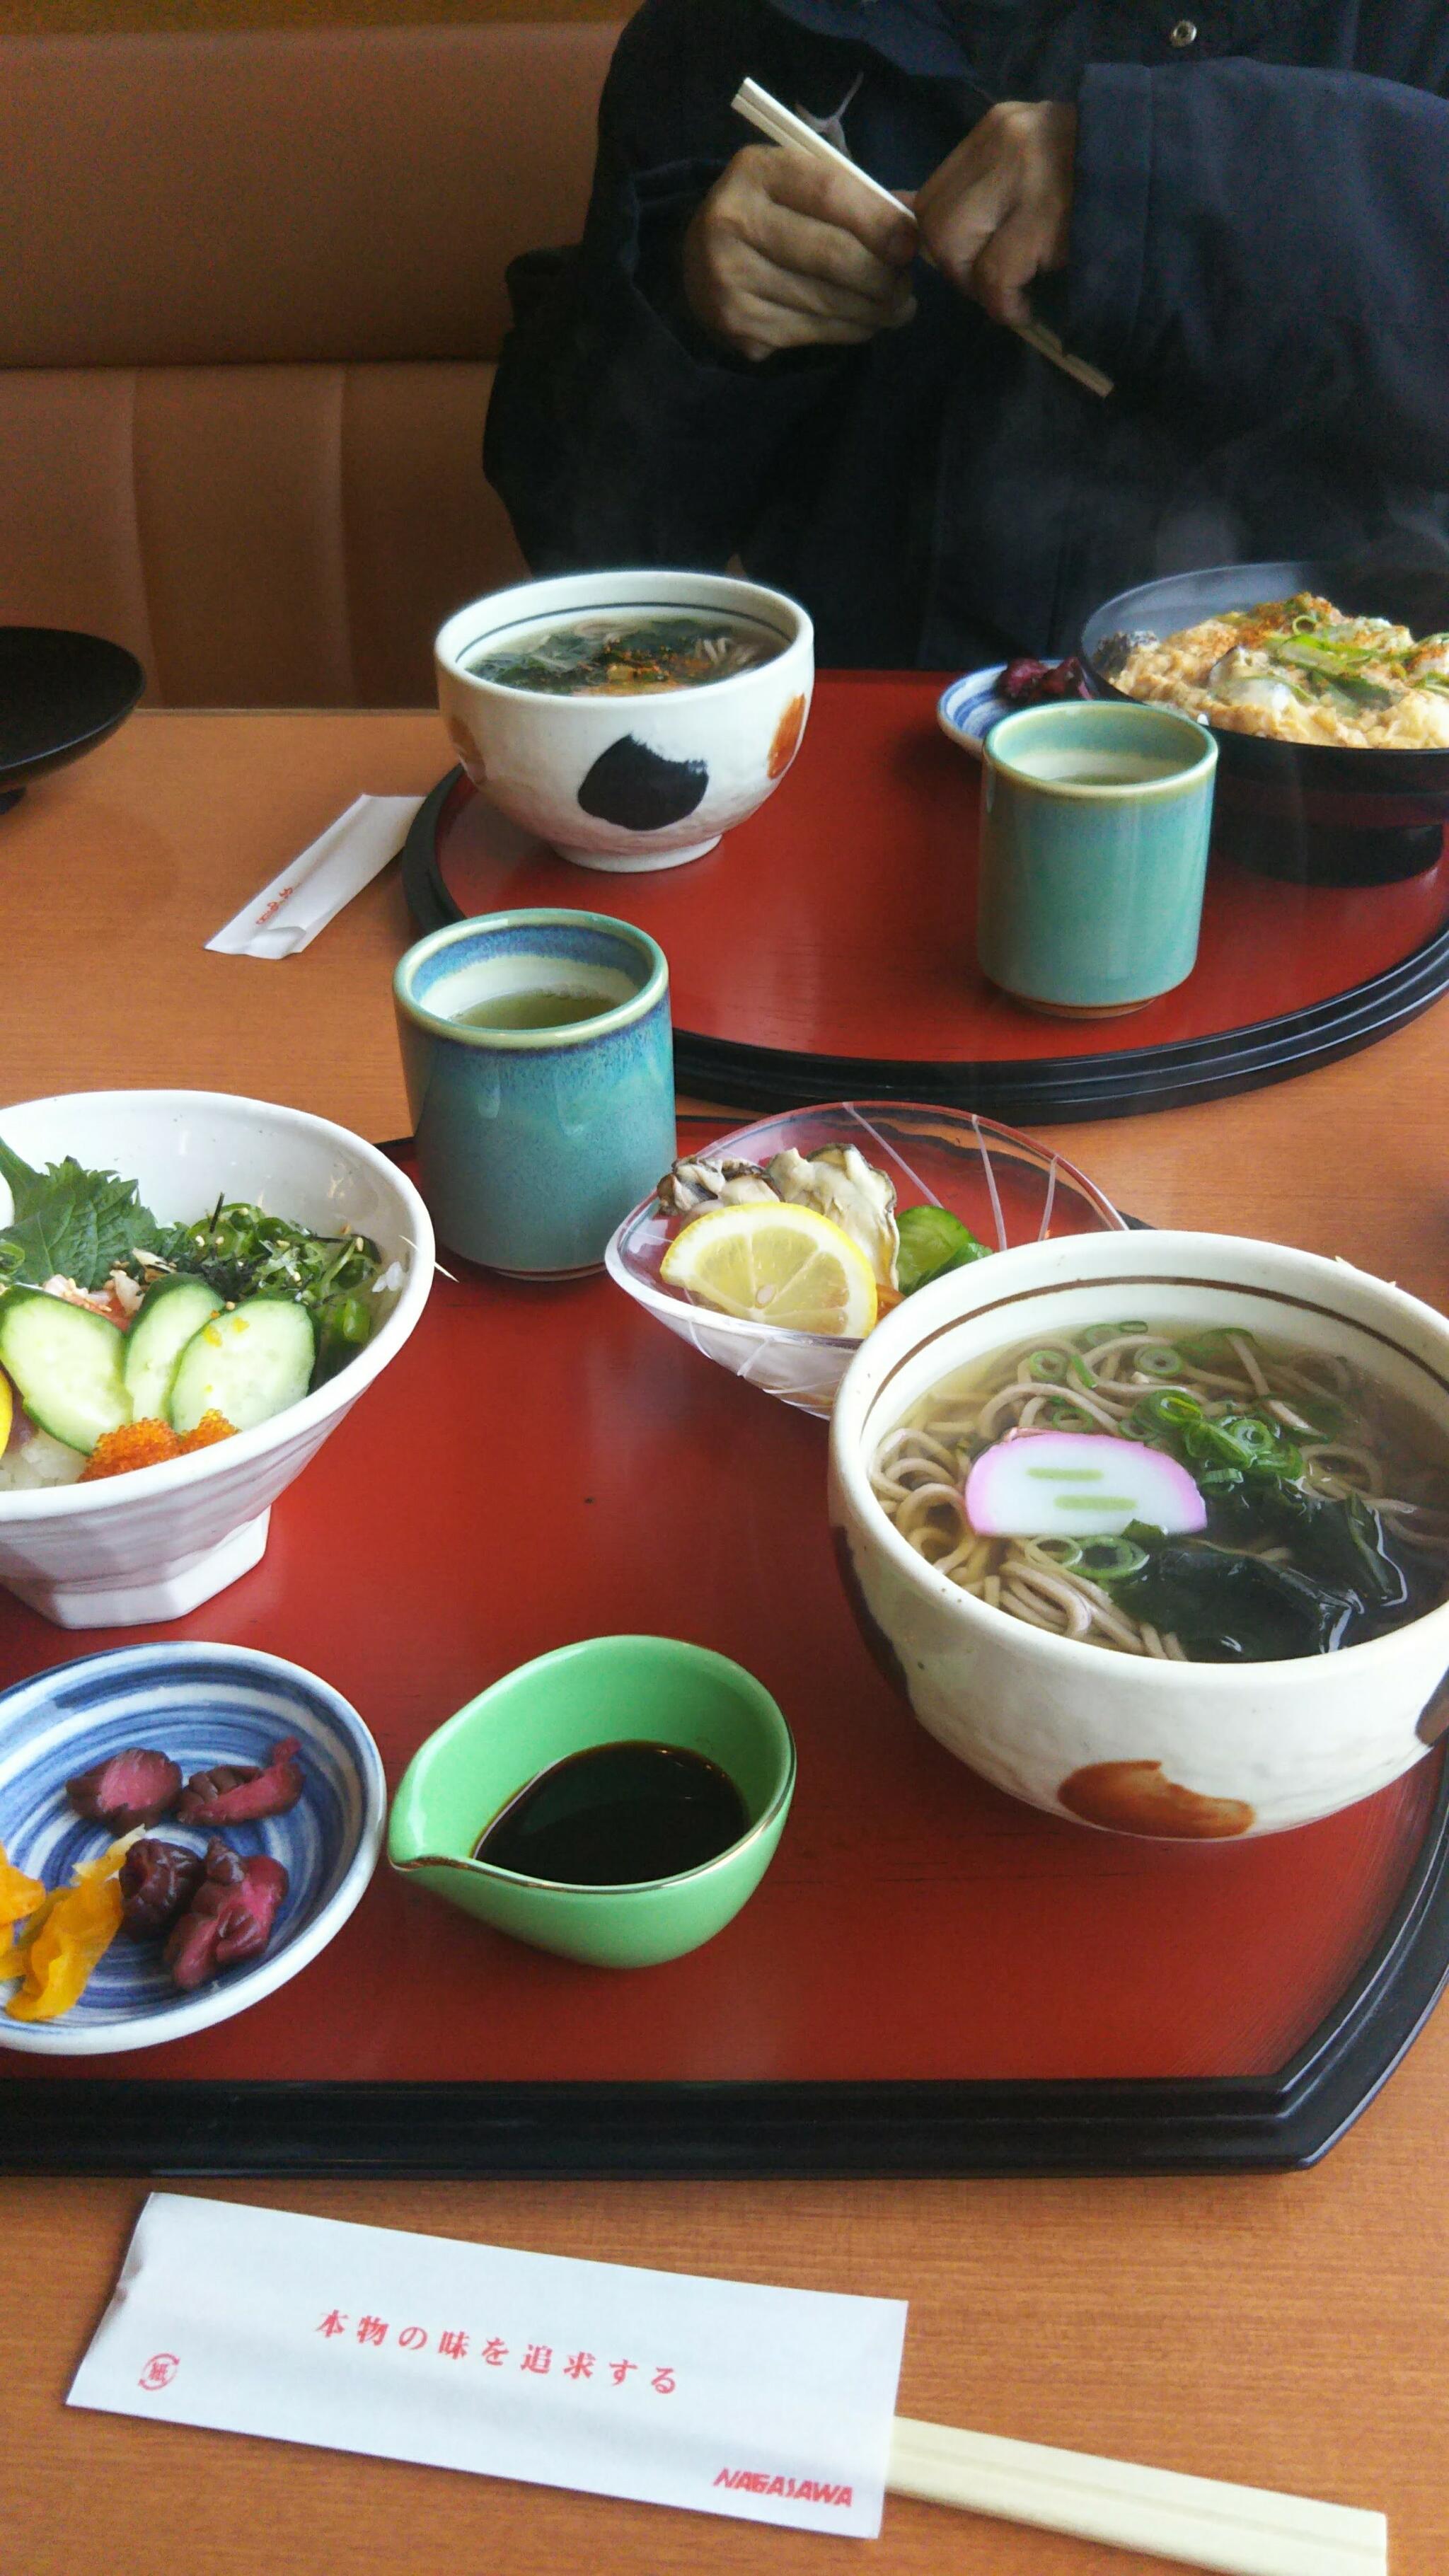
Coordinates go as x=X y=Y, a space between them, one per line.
x=627 y=718
x=1152 y=1530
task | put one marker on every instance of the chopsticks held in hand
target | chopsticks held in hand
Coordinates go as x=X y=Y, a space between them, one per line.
x=768 y=117
x=1242 y=2531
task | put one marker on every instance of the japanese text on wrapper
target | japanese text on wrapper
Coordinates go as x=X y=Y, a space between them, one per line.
x=536 y=2360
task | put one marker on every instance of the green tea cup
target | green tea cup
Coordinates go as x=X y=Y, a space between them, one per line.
x=1094 y=842
x=604 y=1690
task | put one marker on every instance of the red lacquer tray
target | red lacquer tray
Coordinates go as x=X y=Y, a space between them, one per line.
x=931 y=1977
x=826 y=948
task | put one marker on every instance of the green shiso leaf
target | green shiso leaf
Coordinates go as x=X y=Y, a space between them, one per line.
x=69 y=1222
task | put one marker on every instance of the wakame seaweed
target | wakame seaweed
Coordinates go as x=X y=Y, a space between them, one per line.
x=1230 y=1609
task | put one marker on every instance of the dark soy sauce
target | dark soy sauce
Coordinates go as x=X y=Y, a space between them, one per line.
x=616 y=1813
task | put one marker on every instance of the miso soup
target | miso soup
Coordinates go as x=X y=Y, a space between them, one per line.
x=1321 y=1505
x=627 y=656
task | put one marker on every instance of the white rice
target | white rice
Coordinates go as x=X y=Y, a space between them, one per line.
x=38 y=1462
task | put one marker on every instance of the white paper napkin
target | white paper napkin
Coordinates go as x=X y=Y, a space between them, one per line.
x=768 y=2405
x=287 y=914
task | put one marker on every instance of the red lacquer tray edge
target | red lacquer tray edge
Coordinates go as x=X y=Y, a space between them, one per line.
x=1285 y=2119
x=1128 y=1082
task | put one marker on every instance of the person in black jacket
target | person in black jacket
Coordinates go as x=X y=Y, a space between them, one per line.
x=1242 y=219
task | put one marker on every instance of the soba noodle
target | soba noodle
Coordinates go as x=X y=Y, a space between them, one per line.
x=1329 y=1434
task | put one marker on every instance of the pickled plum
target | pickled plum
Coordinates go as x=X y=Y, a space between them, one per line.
x=1029 y=683
x=230 y=1917
x=240 y=1793
x=158 y=1882
x=137 y=1787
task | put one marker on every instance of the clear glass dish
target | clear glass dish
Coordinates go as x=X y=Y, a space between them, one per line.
x=1006 y=1187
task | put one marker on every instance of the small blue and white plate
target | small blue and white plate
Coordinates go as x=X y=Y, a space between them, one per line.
x=969 y=708
x=202 y=1705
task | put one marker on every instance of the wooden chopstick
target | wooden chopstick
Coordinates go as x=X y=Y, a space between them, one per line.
x=768 y=117
x=766 y=114
x=1202 y=2522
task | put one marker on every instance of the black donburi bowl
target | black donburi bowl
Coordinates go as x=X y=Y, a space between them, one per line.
x=1313 y=812
x=60 y=694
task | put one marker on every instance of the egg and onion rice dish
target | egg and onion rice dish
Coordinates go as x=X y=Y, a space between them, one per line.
x=1297 y=670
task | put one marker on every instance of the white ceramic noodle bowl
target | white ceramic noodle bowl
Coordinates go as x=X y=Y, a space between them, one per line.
x=715 y=752
x=1252 y=1748
x=156 y=1543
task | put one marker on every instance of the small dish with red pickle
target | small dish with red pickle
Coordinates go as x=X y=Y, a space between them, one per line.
x=968 y=708
x=182 y=1829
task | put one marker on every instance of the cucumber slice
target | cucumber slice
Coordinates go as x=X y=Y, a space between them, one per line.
x=170 y=1315
x=68 y=1364
x=245 y=1365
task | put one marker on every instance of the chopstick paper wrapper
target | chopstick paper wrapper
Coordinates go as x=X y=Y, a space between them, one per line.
x=781 y=125
x=767 y=2405
x=311 y=891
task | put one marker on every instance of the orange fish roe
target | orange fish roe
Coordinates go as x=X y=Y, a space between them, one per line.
x=211 y=1428
x=148 y=1444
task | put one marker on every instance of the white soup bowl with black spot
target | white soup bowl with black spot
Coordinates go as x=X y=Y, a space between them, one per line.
x=1178 y=1751
x=627 y=782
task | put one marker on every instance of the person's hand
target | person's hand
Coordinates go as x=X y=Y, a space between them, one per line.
x=998 y=210
x=785 y=253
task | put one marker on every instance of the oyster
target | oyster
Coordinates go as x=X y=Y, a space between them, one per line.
x=839 y=1183
x=1244 y=679
x=696 y=1184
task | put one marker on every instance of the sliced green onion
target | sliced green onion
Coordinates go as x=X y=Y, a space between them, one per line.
x=1243 y=1440
x=1050 y=1365
x=1168 y=1409
x=1066 y=1553
x=1063 y=1415
x=1111 y=1560
x=1160 y=1359
x=1096 y=1333
x=1081 y=1371
x=1255 y=1435
x=1360 y=692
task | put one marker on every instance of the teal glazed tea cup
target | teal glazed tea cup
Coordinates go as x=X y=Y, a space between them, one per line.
x=534 y=1141
x=605 y=1690
x=1094 y=844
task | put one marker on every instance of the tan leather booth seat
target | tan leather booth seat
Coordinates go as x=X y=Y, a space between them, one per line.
x=250 y=299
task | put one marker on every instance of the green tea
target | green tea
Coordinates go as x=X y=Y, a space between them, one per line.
x=1089 y=768
x=535 y=1007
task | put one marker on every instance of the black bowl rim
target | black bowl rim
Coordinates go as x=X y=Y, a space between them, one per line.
x=130 y=682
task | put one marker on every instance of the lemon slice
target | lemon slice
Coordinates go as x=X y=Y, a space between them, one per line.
x=775 y=1264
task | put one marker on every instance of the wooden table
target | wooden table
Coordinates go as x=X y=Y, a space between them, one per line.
x=1285 y=2332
